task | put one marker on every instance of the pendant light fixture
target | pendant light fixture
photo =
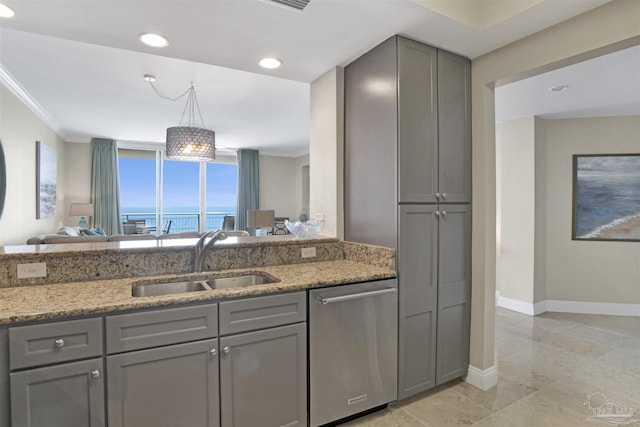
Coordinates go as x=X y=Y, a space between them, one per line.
x=188 y=142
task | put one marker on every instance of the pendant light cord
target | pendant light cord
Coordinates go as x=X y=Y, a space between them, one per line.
x=189 y=108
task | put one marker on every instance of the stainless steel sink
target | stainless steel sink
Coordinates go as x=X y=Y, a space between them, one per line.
x=239 y=281
x=225 y=282
x=154 y=289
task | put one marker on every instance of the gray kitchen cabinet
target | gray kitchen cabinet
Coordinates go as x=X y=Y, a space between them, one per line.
x=169 y=386
x=434 y=125
x=418 y=299
x=263 y=378
x=434 y=258
x=407 y=161
x=5 y=412
x=155 y=328
x=54 y=342
x=180 y=373
x=263 y=361
x=454 y=128
x=454 y=292
x=417 y=122
x=69 y=394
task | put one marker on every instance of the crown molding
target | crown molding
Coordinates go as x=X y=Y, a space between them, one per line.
x=7 y=79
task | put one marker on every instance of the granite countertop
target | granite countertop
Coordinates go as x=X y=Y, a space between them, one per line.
x=58 y=301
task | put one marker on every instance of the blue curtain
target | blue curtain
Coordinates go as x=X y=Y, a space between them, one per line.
x=105 y=186
x=248 y=187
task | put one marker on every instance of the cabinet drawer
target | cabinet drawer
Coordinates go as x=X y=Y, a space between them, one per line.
x=262 y=312
x=136 y=331
x=54 y=342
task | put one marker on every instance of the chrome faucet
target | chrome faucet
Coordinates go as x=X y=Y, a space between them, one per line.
x=202 y=249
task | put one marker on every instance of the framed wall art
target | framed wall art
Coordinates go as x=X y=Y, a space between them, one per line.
x=46 y=179
x=606 y=197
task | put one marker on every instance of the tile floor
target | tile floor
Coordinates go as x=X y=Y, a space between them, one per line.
x=547 y=365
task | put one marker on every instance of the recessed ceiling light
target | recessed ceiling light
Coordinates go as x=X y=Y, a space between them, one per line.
x=270 y=63
x=6 y=11
x=559 y=88
x=150 y=77
x=153 y=40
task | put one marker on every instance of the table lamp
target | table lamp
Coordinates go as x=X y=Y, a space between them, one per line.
x=82 y=210
x=259 y=219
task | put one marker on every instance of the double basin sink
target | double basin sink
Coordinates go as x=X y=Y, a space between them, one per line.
x=146 y=289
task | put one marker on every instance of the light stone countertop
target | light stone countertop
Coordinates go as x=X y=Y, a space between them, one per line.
x=58 y=301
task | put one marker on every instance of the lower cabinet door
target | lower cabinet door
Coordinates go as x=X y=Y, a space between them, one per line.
x=263 y=378
x=173 y=386
x=71 y=394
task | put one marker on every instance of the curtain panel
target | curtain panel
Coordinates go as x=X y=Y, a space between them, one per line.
x=248 y=187
x=105 y=186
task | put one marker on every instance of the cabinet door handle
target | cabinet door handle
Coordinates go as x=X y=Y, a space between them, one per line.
x=213 y=351
x=437 y=213
x=444 y=213
x=59 y=343
x=95 y=373
x=437 y=195
x=226 y=350
x=444 y=195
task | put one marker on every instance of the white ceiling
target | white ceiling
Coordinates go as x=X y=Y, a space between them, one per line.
x=604 y=86
x=82 y=63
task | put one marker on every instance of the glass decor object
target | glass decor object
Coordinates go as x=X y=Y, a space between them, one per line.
x=304 y=228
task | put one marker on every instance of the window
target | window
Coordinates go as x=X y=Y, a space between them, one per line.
x=190 y=196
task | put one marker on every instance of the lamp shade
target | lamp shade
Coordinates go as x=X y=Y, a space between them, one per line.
x=259 y=219
x=81 y=209
x=191 y=143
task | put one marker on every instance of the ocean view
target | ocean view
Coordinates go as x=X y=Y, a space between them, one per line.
x=185 y=218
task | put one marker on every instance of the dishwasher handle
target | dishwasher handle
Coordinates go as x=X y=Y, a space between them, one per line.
x=358 y=295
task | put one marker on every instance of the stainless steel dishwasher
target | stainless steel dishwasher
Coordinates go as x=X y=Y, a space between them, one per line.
x=352 y=349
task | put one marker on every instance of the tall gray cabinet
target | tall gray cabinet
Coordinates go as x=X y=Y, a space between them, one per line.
x=408 y=187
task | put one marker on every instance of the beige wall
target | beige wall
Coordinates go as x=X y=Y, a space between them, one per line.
x=583 y=270
x=610 y=27
x=559 y=269
x=515 y=180
x=326 y=150
x=302 y=187
x=20 y=128
x=77 y=176
x=541 y=202
x=281 y=184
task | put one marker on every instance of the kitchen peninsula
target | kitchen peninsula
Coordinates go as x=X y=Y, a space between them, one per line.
x=81 y=328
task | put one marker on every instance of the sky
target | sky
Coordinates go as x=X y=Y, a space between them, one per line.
x=137 y=184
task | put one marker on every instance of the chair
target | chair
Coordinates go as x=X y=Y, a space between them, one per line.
x=131 y=226
x=167 y=227
x=228 y=222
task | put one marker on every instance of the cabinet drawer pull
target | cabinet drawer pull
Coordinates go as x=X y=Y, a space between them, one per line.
x=226 y=350
x=59 y=343
x=95 y=373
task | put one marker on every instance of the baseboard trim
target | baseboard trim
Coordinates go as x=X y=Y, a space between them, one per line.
x=583 y=307
x=521 y=306
x=482 y=379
